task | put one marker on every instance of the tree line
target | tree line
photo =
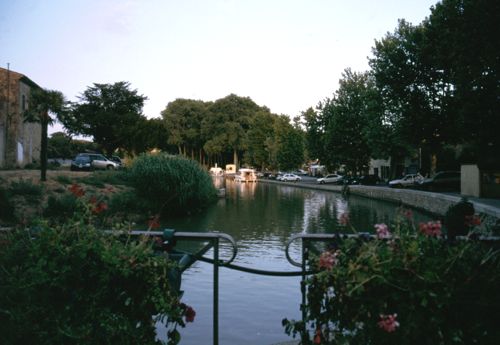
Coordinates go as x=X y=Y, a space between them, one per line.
x=432 y=90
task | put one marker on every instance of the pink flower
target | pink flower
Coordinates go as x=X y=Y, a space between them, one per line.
x=327 y=260
x=344 y=219
x=430 y=228
x=382 y=231
x=388 y=322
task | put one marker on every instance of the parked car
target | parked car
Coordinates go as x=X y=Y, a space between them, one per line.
x=117 y=160
x=367 y=180
x=290 y=177
x=98 y=161
x=330 y=178
x=300 y=172
x=407 y=181
x=81 y=163
x=443 y=181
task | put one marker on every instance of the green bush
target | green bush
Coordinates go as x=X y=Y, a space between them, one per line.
x=26 y=187
x=73 y=284
x=6 y=207
x=60 y=208
x=171 y=183
x=63 y=179
x=409 y=287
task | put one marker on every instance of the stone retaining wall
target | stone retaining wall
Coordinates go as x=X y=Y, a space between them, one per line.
x=435 y=203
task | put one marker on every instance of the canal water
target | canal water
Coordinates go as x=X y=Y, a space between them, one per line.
x=261 y=218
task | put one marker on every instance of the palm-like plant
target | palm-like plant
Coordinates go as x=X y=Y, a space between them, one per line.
x=42 y=104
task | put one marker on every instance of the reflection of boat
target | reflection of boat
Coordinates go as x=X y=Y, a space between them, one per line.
x=246 y=175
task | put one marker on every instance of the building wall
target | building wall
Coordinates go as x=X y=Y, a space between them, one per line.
x=19 y=141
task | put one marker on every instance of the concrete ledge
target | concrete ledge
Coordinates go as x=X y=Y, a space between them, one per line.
x=435 y=203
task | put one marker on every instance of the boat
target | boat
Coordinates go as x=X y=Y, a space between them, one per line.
x=245 y=175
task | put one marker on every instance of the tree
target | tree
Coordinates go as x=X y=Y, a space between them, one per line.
x=225 y=128
x=259 y=134
x=42 y=104
x=290 y=144
x=183 y=118
x=346 y=116
x=59 y=146
x=462 y=48
x=109 y=113
x=314 y=133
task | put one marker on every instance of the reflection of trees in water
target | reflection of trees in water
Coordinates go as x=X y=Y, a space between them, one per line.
x=253 y=212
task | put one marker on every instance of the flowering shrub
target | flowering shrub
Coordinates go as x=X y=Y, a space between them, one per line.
x=405 y=286
x=73 y=284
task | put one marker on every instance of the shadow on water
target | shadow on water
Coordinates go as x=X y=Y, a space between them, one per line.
x=262 y=218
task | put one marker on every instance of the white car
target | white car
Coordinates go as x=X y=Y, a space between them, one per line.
x=330 y=178
x=407 y=181
x=290 y=177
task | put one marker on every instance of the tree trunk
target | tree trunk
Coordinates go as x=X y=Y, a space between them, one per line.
x=235 y=159
x=43 y=148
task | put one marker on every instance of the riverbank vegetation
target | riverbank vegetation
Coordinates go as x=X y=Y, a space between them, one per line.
x=70 y=283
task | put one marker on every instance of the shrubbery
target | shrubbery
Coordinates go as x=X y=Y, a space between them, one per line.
x=407 y=287
x=172 y=184
x=73 y=284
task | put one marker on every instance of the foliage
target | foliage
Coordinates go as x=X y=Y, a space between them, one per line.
x=290 y=144
x=314 y=133
x=26 y=187
x=259 y=136
x=63 y=179
x=43 y=103
x=109 y=113
x=59 y=146
x=59 y=208
x=407 y=287
x=73 y=284
x=6 y=206
x=346 y=121
x=101 y=178
x=171 y=183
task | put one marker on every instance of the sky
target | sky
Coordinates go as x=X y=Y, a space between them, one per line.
x=287 y=55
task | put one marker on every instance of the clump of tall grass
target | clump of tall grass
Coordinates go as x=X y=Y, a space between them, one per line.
x=172 y=184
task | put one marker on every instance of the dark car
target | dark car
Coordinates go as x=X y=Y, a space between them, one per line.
x=81 y=163
x=367 y=180
x=443 y=181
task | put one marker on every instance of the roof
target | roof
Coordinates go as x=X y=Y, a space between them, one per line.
x=20 y=76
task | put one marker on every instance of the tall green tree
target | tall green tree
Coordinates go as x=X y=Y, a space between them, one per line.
x=225 y=128
x=260 y=134
x=42 y=104
x=314 y=133
x=289 y=144
x=59 y=146
x=463 y=51
x=109 y=113
x=346 y=116
x=183 y=118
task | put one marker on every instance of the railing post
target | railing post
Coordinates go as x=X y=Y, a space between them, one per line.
x=216 y=292
x=304 y=338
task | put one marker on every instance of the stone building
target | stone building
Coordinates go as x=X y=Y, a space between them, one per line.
x=19 y=140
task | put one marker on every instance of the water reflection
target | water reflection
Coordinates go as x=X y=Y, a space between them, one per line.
x=261 y=218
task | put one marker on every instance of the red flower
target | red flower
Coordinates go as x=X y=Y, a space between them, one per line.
x=430 y=228
x=408 y=214
x=472 y=220
x=77 y=190
x=154 y=222
x=99 y=208
x=317 y=336
x=327 y=260
x=93 y=200
x=388 y=322
x=189 y=314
